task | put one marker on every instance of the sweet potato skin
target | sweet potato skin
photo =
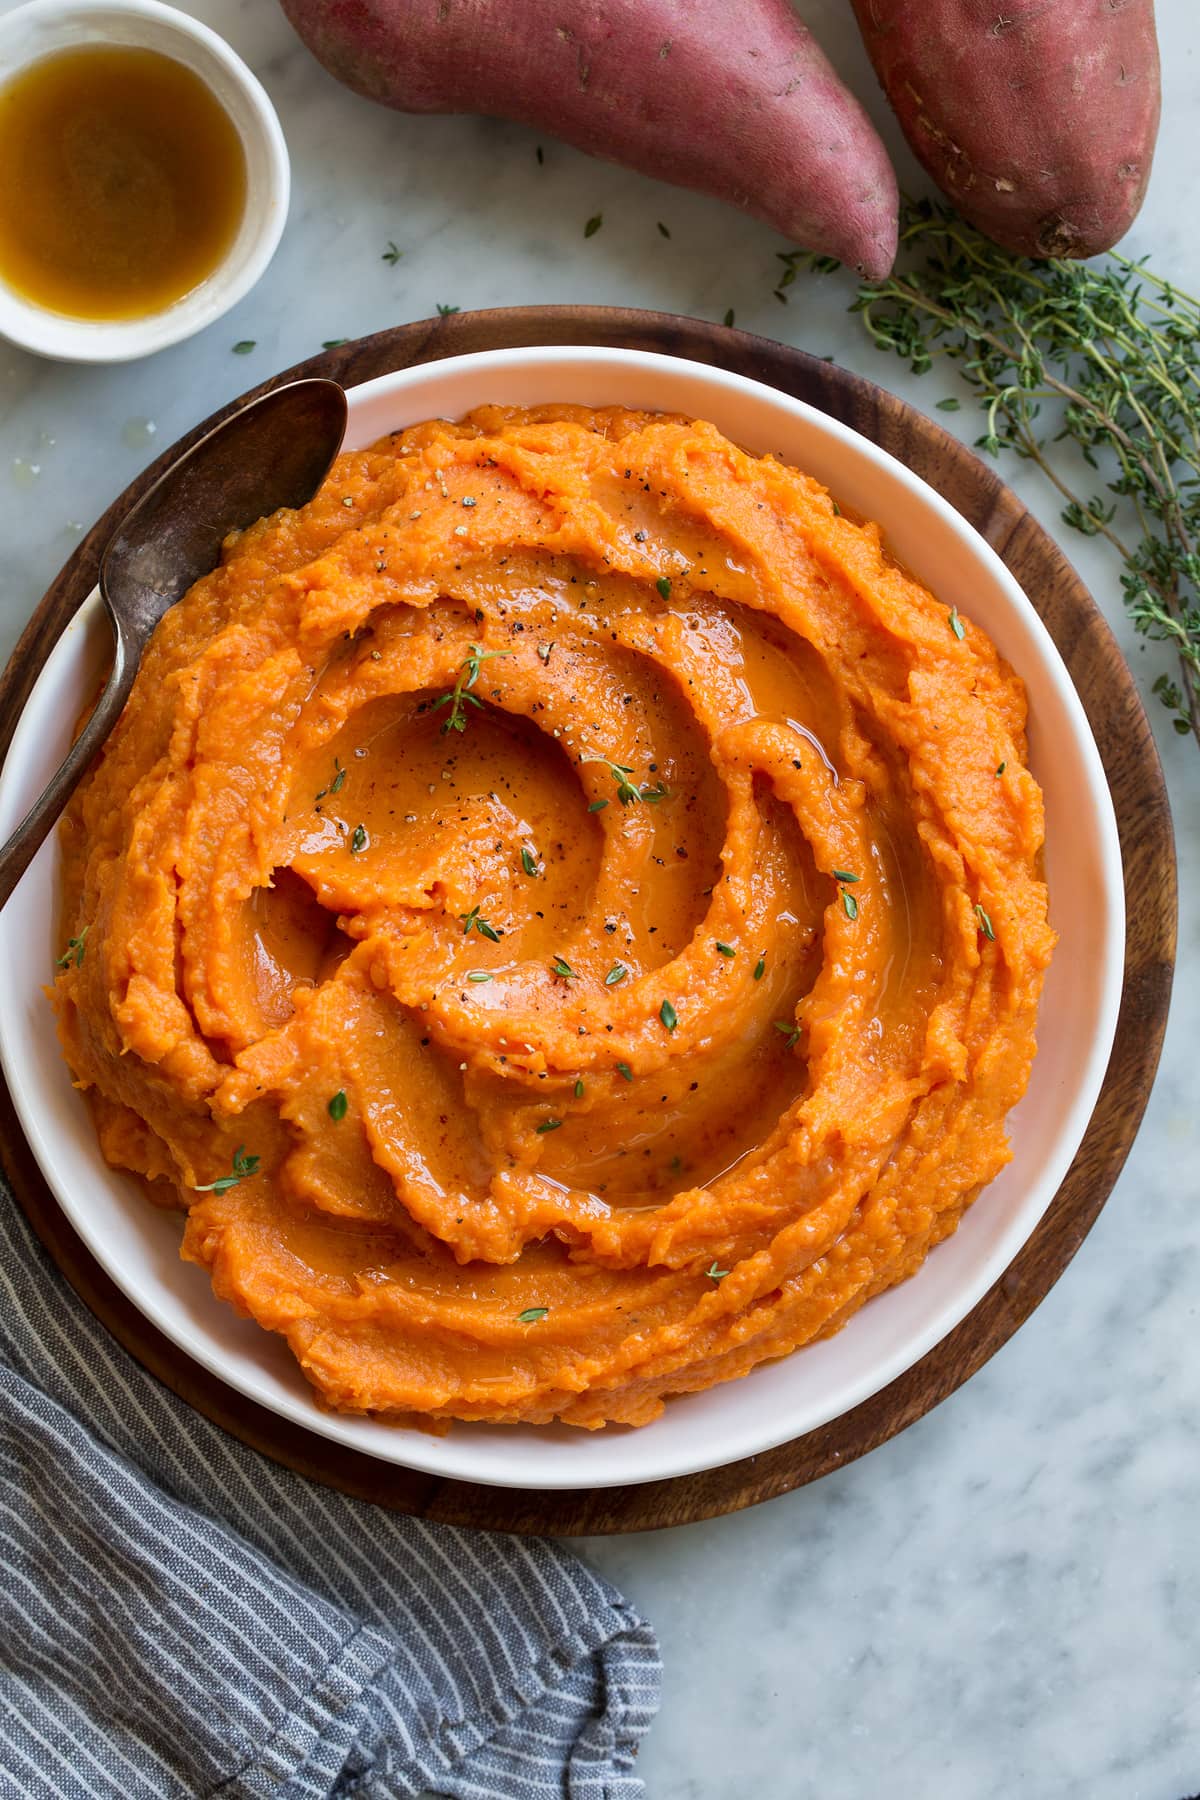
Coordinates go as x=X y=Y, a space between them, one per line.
x=736 y=101
x=1037 y=117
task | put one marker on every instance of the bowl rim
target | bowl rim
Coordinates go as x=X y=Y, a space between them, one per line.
x=445 y=1457
x=65 y=338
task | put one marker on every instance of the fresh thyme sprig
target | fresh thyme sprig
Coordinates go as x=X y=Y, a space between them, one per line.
x=460 y=696
x=243 y=1166
x=628 y=792
x=1111 y=351
x=483 y=926
x=336 y=783
x=75 y=951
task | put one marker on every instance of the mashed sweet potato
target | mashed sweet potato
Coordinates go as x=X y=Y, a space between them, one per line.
x=563 y=913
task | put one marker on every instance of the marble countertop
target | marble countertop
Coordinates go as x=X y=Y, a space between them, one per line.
x=1005 y=1600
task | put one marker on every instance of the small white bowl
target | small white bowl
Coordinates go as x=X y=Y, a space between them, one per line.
x=138 y=1243
x=47 y=26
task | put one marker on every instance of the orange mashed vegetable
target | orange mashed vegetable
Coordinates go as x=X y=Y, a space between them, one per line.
x=563 y=915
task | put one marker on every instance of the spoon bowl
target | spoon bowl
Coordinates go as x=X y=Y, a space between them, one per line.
x=273 y=453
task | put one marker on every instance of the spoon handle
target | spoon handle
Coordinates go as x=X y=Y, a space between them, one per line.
x=29 y=836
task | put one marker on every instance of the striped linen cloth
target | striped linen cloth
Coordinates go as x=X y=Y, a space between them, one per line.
x=180 y=1617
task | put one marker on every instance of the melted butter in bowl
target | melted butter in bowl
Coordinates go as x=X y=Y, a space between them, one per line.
x=146 y=178
x=124 y=182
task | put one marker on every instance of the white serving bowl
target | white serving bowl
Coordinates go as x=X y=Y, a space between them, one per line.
x=138 y=1244
x=45 y=27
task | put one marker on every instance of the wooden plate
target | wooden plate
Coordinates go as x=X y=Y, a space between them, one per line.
x=1132 y=766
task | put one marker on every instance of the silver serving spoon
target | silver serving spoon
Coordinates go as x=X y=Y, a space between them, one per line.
x=275 y=452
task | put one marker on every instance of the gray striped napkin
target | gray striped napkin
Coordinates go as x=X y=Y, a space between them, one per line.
x=179 y=1617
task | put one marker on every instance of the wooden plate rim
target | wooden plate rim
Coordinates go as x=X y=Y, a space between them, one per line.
x=1135 y=776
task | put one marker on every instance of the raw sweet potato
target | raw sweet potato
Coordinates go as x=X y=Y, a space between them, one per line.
x=736 y=100
x=1037 y=117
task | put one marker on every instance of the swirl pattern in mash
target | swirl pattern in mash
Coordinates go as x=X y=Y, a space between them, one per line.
x=563 y=913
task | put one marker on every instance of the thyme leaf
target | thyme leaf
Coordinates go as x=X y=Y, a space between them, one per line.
x=243 y=1165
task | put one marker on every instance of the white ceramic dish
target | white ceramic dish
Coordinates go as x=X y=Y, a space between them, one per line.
x=138 y=1244
x=47 y=26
